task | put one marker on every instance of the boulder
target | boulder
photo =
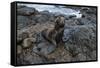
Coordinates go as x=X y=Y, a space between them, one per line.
x=88 y=10
x=21 y=36
x=20 y=6
x=44 y=48
x=22 y=21
x=72 y=16
x=26 y=11
x=40 y=18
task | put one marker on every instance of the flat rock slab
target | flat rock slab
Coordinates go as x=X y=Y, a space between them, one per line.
x=44 y=48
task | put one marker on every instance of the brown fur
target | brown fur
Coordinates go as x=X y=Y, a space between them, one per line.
x=28 y=42
x=54 y=35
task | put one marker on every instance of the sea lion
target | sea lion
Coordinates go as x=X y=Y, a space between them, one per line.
x=54 y=35
x=28 y=42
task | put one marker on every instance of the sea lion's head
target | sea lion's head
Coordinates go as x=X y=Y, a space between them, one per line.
x=59 y=22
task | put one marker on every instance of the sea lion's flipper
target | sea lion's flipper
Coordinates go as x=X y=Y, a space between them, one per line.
x=46 y=36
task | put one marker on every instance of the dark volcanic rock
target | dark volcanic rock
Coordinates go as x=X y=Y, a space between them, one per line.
x=26 y=11
x=89 y=19
x=72 y=22
x=21 y=36
x=28 y=57
x=40 y=18
x=20 y=6
x=88 y=10
x=89 y=15
x=43 y=47
x=33 y=59
x=45 y=13
x=72 y=16
x=68 y=32
x=22 y=21
x=81 y=40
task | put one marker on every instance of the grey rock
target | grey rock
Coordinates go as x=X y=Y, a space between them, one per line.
x=26 y=11
x=68 y=33
x=87 y=21
x=88 y=10
x=21 y=36
x=79 y=41
x=44 y=48
x=74 y=50
x=72 y=22
x=20 y=6
x=40 y=18
x=45 y=12
x=72 y=16
x=89 y=15
x=19 y=49
x=39 y=38
x=43 y=19
x=80 y=57
x=33 y=59
x=22 y=21
x=94 y=55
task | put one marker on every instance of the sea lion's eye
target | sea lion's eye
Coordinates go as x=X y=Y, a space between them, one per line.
x=39 y=49
x=32 y=42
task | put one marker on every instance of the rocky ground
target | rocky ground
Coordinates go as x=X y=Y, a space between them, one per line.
x=79 y=37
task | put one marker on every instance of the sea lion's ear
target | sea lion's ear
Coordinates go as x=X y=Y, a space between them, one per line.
x=57 y=20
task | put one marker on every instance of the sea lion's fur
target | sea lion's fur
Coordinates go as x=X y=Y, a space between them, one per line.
x=54 y=35
x=28 y=42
